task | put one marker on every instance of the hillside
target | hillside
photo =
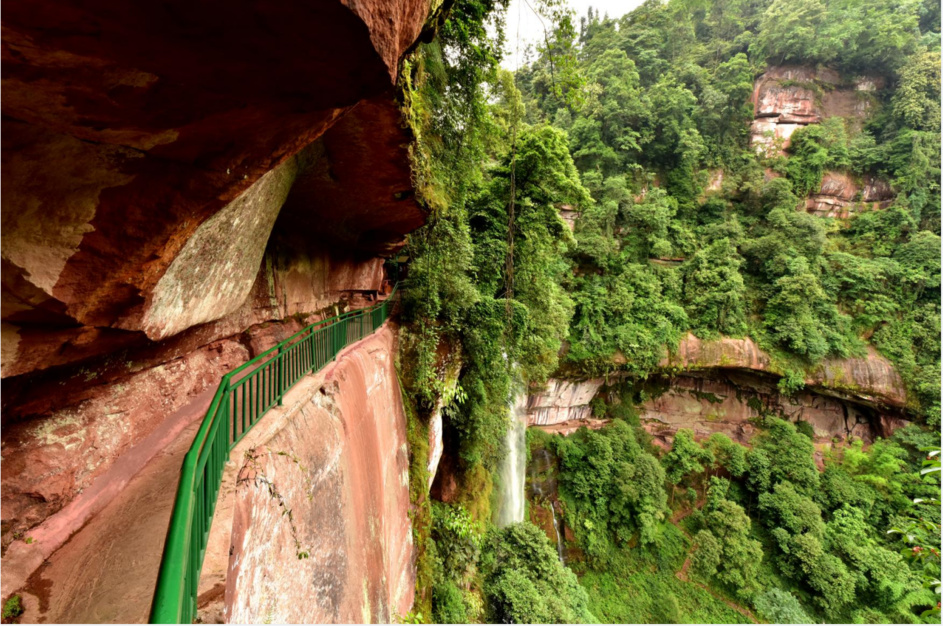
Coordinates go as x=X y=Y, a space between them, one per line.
x=709 y=232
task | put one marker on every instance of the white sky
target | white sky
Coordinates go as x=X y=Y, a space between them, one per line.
x=521 y=19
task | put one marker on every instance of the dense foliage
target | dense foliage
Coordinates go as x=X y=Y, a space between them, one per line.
x=666 y=111
x=762 y=526
x=641 y=126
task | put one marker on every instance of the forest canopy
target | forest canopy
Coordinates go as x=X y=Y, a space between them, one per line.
x=682 y=219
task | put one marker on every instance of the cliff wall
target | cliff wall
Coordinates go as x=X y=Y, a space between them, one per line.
x=321 y=529
x=182 y=184
x=786 y=98
x=719 y=386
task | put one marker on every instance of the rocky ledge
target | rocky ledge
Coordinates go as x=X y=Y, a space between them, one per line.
x=870 y=379
x=182 y=182
x=787 y=97
x=722 y=385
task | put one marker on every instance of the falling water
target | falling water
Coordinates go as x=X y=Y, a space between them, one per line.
x=538 y=494
x=511 y=472
x=556 y=527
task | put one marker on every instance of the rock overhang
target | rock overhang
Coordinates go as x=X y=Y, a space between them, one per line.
x=127 y=127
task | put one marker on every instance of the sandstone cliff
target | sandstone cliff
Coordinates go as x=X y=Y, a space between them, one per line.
x=321 y=531
x=184 y=185
x=787 y=97
x=719 y=386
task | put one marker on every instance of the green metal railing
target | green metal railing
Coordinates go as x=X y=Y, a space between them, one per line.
x=243 y=397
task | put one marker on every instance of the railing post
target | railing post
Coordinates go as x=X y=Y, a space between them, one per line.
x=280 y=374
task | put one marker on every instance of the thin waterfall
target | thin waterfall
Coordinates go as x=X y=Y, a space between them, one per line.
x=556 y=527
x=511 y=471
x=539 y=495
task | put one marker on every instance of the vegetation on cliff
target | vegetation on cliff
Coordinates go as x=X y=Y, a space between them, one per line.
x=667 y=107
x=641 y=125
x=761 y=528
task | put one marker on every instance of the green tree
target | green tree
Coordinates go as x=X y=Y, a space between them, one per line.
x=714 y=291
x=730 y=555
x=524 y=581
x=780 y=607
x=686 y=457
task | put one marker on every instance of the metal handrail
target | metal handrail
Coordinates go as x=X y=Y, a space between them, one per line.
x=239 y=405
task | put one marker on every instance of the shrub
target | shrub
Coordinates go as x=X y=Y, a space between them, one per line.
x=780 y=607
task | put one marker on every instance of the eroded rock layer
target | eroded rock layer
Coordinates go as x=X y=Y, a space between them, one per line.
x=788 y=97
x=721 y=385
x=727 y=401
x=870 y=379
x=562 y=401
x=127 y=127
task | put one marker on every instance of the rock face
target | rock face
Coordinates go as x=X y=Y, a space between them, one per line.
x=568 y=215
x=720 y=385
x=787 y=97
x=726 y=402
x=180 y=182
x=321 y=530
x=47 y=462
x=562 y=401
x=192 y=291
x=841 y=196
x=123 y=133
x=450 y=371
x=871 y=379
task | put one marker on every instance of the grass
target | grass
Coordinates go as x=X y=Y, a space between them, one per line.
x=12 y=608
x=635 y=590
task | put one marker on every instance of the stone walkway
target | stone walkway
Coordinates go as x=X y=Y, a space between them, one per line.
x=106 y=572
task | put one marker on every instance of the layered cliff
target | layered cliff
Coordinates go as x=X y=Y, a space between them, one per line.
x=786 y=98
x=183 y=187
x=721 y=385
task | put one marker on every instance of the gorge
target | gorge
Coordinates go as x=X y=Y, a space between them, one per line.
x=647 y=330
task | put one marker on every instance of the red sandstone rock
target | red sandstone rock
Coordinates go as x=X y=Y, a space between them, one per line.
x=841 y=196
x=124 y=136
x=726 y=402
x=871 y=378
x=732 y=381
x=345 y=482
x=165 y=191
x=787 y=97
x=48 y=461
